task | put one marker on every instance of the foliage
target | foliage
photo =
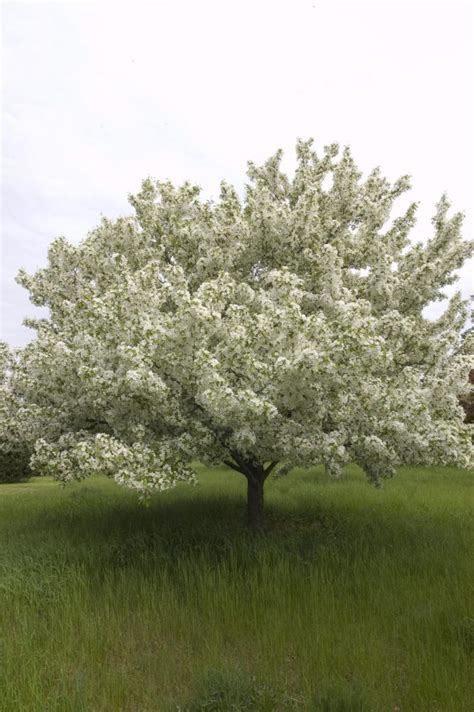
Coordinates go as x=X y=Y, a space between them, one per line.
x=14 y=465
x=284 y=328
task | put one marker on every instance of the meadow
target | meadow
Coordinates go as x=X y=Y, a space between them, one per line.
x=354 y=599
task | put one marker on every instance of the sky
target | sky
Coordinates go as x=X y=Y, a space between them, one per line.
x=96 y=97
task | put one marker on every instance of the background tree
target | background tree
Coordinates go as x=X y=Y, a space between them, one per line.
x=285 y=329
x=16 y=443
x=467 y=397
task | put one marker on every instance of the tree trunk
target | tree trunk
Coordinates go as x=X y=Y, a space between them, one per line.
x=256 y=475
x=255 y=501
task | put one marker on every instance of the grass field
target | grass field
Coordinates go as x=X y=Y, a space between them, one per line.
x=354 y=599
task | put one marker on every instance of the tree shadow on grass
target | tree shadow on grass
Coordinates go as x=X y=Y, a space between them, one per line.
x=89 y=526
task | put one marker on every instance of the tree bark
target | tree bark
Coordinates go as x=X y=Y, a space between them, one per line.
x=255 y=501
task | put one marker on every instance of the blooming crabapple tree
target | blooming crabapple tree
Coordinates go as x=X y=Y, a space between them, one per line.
x=285 y=328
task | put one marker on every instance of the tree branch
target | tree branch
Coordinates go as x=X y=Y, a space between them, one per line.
x=270 y=467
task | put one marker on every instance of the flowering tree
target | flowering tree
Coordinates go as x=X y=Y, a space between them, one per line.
x=285 y=329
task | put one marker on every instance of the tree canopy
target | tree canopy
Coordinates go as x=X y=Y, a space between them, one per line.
x=285 y=328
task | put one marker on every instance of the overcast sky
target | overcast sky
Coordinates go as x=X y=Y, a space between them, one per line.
x=96 y=97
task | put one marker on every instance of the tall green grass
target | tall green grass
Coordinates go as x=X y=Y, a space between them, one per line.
x=355 y=599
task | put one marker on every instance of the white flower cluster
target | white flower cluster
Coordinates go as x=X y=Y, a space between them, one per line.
x=285 y=328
